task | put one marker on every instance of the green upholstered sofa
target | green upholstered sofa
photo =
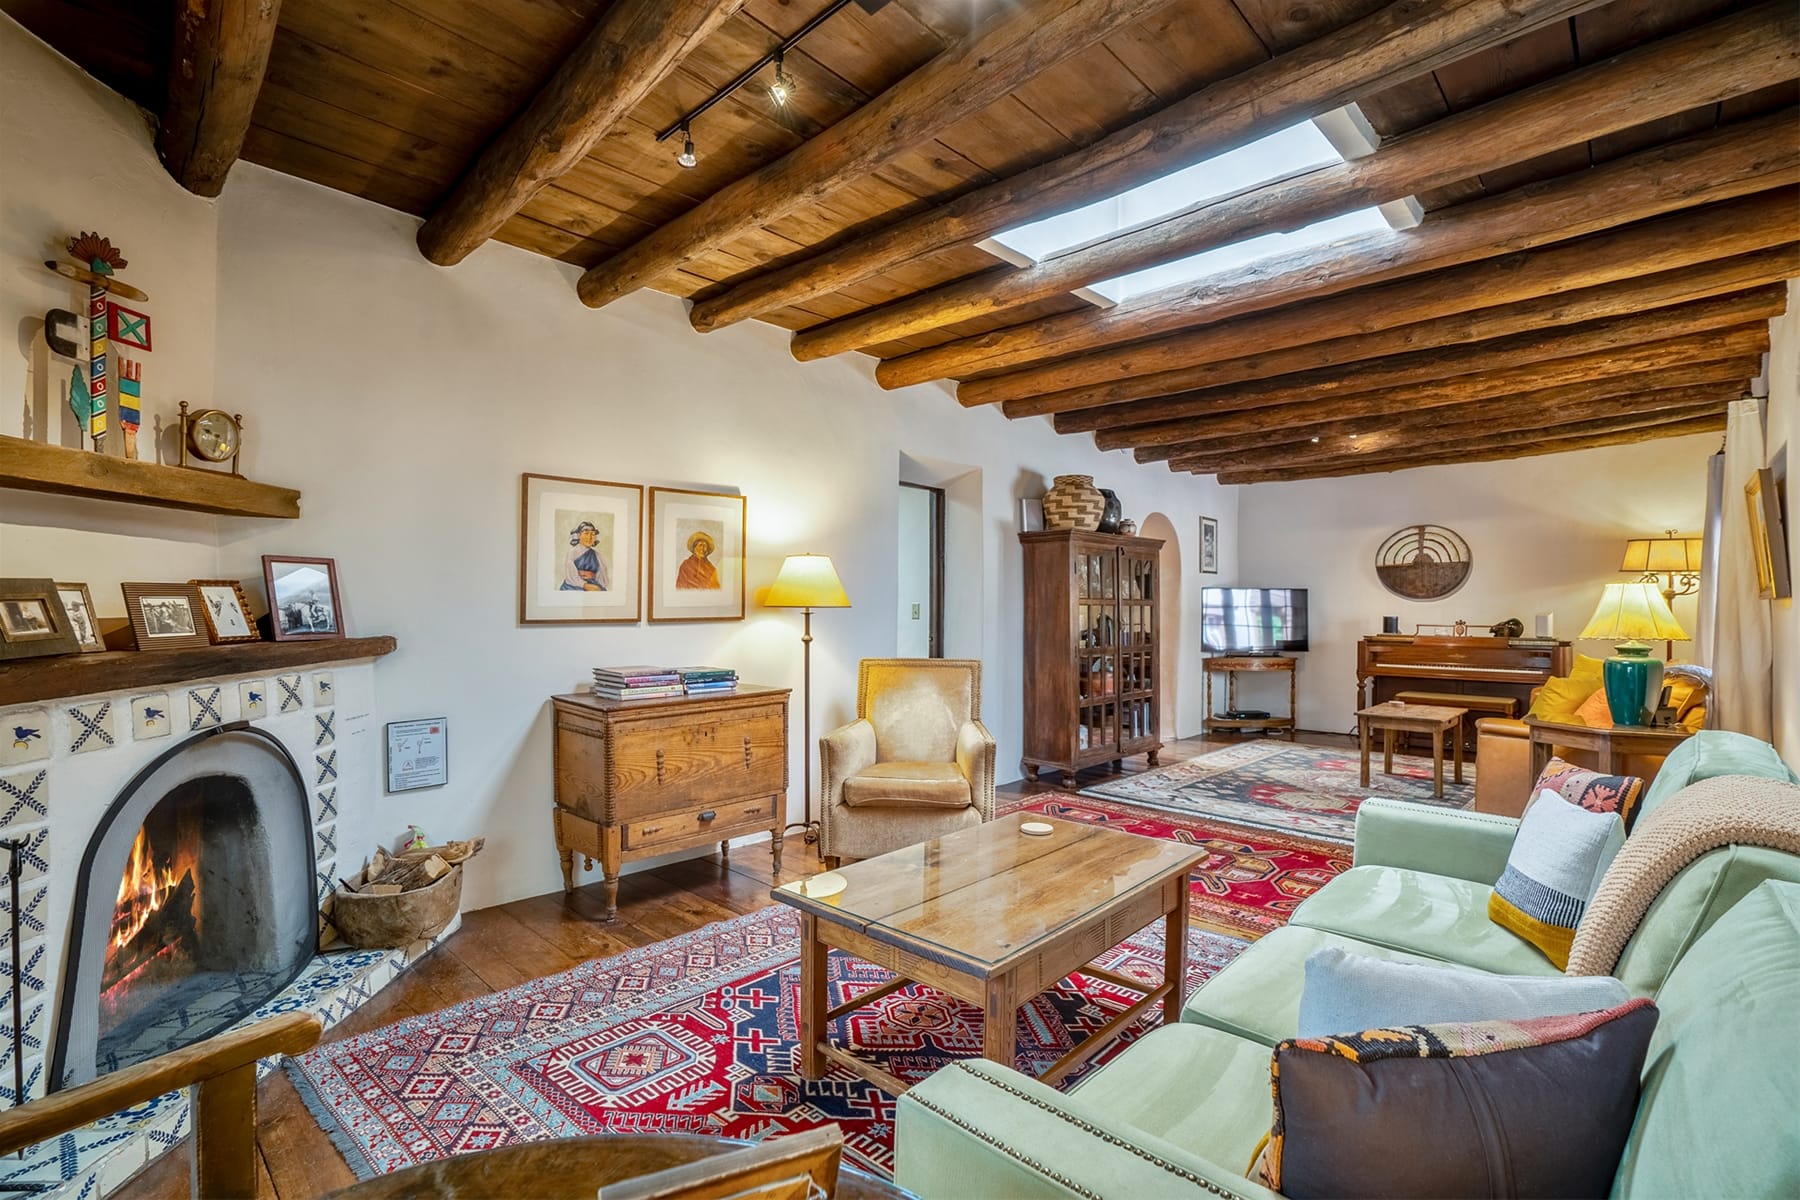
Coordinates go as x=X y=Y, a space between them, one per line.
x=1181 y=1111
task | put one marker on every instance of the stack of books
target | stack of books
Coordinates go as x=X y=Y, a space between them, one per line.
x=708 y=681
x=636 y=683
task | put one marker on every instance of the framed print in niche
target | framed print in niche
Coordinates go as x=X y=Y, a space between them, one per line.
x=303 y=598
x=165 y=616
x=78 y=603
x=33 y=622
x=580 y=547
x=227 y=611
x=696 y=555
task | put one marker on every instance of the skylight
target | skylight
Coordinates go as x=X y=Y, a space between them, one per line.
x=1296 y=148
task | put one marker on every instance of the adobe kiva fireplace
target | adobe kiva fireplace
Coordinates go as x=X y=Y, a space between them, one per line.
x=195 y=903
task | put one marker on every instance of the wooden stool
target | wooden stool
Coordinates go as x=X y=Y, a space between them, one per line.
x=1486 y=706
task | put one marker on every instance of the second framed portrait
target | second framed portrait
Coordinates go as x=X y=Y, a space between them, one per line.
x=579 y=550
x=696 y=555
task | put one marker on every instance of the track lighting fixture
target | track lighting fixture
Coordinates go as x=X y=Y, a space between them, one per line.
x=782 y=90
x=687 y=157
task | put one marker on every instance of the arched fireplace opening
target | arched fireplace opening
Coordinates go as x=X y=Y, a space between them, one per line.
x=195 y=904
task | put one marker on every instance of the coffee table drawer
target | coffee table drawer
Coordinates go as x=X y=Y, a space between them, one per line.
x=721 y=821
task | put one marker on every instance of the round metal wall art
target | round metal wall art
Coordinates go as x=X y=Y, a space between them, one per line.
x=1423 y=562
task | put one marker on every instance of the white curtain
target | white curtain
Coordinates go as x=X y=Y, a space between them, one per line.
x=1743 y=685
x=1705 y=638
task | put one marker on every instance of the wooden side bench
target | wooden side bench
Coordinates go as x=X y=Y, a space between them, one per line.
x=1477 y=706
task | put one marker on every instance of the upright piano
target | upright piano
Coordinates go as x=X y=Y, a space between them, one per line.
x=1484 y=666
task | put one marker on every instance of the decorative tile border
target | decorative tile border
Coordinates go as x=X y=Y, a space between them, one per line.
x=205 y=708
x=288 y=695
x=25 y=736
x=253 y=699
x=150 y=717
x=91 y=727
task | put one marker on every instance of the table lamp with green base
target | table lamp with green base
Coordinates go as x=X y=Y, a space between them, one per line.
x=1633 y=679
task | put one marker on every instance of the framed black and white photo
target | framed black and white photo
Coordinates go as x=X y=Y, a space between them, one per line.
x=227 y=611
x=418 y=754
x=1209 y=546
x=33 y=622
x=303 y=598
x=78 y=602
x=165 y=616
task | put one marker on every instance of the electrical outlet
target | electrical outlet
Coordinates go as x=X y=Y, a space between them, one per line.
x=915 y=612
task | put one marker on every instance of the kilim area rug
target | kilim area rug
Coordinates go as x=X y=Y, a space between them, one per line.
x=696 y=1034
x=1313 y=791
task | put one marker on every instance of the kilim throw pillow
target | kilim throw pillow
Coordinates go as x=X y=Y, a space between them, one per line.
x=1592 y=790
x=1537 y=1107
x=1558 y=856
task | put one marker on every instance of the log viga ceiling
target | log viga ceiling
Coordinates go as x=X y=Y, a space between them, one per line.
x=1604 y=193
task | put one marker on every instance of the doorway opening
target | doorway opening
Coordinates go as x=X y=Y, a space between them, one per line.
x=919 y=629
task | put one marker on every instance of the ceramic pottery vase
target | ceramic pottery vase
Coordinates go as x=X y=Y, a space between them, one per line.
x=1073 y=502
x=1633 y=682
x=1128 y=526
x=1112 y=513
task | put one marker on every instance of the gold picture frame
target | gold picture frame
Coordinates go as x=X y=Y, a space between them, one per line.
x=226 y=607
x=1768 y=537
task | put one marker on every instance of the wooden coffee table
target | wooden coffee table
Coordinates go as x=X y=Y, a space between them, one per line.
x=993 y=916
x=1429 y=719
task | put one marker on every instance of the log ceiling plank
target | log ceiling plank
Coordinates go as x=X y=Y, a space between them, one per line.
x=1398 y=41
x=1717 y=165
x=1682 y=239
x=1150 y=422
x=1735 y=56
x=1013 y=47
x=1478 y=453
x=1086 y=407
x=628 y=52
x=1670 y=354
x=218 y=54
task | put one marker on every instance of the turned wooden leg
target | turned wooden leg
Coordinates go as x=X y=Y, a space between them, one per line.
x=775 y=837
x=568 y=868
x=1152 y=757
x=1031 y=771
x=725 y=849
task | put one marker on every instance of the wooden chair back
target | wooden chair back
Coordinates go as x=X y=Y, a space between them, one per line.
x=802 y=1166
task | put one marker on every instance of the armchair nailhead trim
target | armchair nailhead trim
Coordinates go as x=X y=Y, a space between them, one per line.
x=1092 y=1131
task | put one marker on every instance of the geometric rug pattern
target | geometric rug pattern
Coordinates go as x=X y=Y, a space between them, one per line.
x=1313 y=791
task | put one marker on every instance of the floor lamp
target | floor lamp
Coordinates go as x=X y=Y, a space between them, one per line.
x=806 y=582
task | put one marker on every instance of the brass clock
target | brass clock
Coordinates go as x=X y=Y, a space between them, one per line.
x=211 y=435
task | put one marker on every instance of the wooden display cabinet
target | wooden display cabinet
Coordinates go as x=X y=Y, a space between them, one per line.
x=1091 y=650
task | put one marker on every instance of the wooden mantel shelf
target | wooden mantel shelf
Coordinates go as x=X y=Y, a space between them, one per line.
x=36 y=679
x=37 y=467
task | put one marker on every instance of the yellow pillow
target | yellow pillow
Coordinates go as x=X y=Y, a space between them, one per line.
x=1559 y=699
x=1588 y=669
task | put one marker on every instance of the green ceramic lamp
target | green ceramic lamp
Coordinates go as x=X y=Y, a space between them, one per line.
x=1633 y=679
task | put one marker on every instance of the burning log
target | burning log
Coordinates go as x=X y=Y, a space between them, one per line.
x=172 y=923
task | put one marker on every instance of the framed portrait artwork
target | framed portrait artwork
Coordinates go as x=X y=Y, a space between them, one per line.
x=165 y=616
x=696 y=555
x=78 y=602
x=303 y=598
x=33 y=622
x=1209 y=546
x=579 y=547
x=227 y=611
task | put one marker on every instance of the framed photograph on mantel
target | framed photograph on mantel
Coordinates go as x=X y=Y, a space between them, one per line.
x=78 y=602
x=696 y=555
x=33 y=622
x=579 y=547
x=303 y=598
x=227 y=611
x=165 y=616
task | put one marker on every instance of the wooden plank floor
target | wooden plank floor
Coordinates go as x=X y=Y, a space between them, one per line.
x=510 y=944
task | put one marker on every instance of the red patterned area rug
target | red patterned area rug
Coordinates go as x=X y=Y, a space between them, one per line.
x=1252 y=879
x=696 y=1034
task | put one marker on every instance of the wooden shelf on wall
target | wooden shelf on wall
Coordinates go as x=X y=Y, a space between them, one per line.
x=35 y=679
x=37 y=467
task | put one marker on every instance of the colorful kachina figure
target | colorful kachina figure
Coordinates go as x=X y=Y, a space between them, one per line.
x=95 y=262
x=131 y=375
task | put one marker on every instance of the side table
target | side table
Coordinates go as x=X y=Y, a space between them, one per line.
x=1394 y=717
x=1609 y=746
x=1229 y=665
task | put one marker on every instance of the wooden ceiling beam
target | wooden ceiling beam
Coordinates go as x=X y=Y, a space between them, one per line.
x=1684 y=239
x=1734 y=56
x=1151 y=422
x=631 y=49
x=1670 y=354
x=1014 y=45
x=1720 y=164
x=1397 y=42
x=219 y=55
x=1521 y=412
x=1711 y=423
x=1087 y=406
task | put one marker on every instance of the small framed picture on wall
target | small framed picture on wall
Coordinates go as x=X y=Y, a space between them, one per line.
x=579 y=547
x=696 y=555
x=1209 y=546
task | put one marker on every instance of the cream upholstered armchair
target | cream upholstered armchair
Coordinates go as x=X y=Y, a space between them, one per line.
x=917 y=762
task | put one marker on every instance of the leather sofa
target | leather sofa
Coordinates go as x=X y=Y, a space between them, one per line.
x=1181 y=1111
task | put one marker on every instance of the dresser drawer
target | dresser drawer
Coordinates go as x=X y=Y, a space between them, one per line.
x=726 y=820
x=673 y=763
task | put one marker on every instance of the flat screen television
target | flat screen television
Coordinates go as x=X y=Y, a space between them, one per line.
x=1252 y=620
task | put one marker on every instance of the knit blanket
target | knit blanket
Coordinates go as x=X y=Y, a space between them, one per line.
x=1726 y=810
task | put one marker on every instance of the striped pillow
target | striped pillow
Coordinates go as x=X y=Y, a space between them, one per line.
x=1557 y=859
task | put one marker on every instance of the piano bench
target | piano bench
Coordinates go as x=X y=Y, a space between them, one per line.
x=1488 y=706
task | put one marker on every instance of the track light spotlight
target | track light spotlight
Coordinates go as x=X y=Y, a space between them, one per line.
x=687 y=157
x=782 y=90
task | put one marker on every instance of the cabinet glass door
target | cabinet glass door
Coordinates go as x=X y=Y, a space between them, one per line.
x=1096 y=648
x=1137 y=645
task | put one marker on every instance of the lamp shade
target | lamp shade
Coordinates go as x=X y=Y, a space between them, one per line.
x=808 y=581
x=1634 y=610
x=1671 y=554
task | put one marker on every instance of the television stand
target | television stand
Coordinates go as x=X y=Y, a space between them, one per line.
x=1230 y=665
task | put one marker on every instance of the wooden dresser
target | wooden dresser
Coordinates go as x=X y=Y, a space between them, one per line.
x=636 y=778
